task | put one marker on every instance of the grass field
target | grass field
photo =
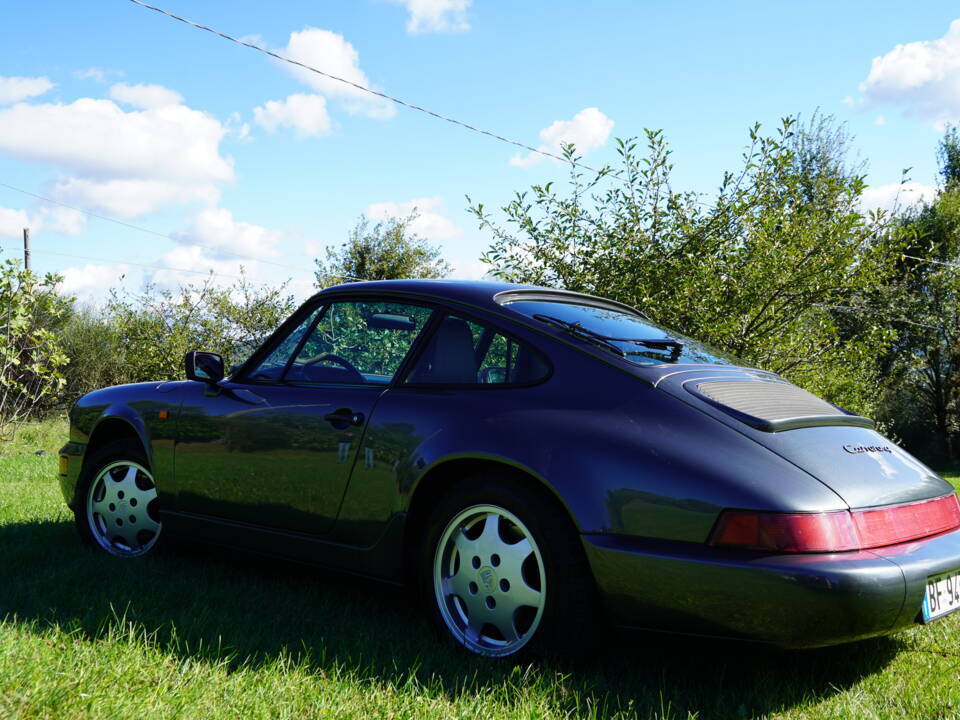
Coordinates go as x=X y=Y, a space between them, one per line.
x=208 y=635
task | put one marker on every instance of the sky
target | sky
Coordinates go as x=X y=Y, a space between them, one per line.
x=217 y=156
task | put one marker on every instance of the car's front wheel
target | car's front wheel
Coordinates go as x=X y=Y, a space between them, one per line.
x=116 y=508
x=503 y=569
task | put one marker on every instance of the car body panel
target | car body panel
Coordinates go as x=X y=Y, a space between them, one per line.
x=859 y=464
x=805 y=600
x=265 y=455
x=790 y=601
x=138 y=408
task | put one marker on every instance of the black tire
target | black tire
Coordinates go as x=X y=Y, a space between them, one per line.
x=480 y=599
x=115 y=508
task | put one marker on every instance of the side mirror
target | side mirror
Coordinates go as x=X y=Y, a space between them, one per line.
x=203 y=366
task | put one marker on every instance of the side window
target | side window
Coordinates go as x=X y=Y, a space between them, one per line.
x=270 y=370
x=462 y=352
x=358 y=342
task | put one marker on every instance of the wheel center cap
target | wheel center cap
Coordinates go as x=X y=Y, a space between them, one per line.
x=488 y=578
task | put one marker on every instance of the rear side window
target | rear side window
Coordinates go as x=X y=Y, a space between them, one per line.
x=462 y=352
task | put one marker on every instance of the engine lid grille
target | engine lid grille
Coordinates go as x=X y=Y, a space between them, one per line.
x=774 y=406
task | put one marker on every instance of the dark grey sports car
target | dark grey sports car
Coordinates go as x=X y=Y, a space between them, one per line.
x=533 y=460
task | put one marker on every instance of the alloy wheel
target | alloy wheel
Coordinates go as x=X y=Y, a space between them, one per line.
x=489 y=580
x=121 y=509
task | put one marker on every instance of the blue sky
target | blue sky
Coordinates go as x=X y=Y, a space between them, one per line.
x=224 y=152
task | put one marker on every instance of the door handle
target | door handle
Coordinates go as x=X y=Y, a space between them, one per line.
x=343 y=417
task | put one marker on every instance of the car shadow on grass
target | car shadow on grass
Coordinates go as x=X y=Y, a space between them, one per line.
x=210 y=604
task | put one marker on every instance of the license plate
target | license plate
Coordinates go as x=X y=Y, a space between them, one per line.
x=942 y=596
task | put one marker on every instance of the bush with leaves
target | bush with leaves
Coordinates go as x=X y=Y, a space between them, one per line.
x=157 y=326
x=767 y=270
x=93 y=345
x=31 y=358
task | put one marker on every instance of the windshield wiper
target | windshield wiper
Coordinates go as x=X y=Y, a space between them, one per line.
x=575 y=328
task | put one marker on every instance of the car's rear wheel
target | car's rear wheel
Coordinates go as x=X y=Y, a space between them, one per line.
x=116 y=508
x=503 y=570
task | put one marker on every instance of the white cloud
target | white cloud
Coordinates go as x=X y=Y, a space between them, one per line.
x=469 y=269
x=880 y=120
x=90 y=74
x=237 y=129
x=145 y=97
x=130 y=198
x=89 y=282
x=126 y=163
x=890 y=197
x=589 y=129
x=922 y=77
x=96 y=74
x=191 y=264
x=427 y=16
x=215 y=233
x=313 y=248
x=15 y=89
x=429 y=223
x=12 y=222
x=331 y=53
x=96 y=138
x=302 y=288
x=306 y=114
x=59 y=220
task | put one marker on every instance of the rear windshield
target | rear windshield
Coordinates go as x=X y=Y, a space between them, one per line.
x=619 y=332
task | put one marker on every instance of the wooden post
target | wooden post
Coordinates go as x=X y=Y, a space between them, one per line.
x=26 y=248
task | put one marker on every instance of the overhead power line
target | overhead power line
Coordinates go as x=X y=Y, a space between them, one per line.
x=130 y=262
x=370 y=91
x=173 y=269
x=932 y=261
x=165 y=237
x=107 y=218
x=874 y=311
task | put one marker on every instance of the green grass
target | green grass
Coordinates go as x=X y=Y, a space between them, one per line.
x=210 y=634
x=46 y=437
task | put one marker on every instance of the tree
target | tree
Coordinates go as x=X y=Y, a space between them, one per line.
x=923 y=403
x=768 y=270
x=386 y=251
x=31 y=358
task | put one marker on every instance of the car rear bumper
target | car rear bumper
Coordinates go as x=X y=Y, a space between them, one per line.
x=788 y=600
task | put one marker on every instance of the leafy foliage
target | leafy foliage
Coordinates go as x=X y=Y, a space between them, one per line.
x=156 y=327
x=94 y=347
x=923 y=401
x=767 y=271
x=386 y=251
x=31 y=359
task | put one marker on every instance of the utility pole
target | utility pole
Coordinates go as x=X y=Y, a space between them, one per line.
x=26 y=248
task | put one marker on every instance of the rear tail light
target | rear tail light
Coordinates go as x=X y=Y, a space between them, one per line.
x=835 y=531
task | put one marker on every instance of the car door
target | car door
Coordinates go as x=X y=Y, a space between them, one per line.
x=274 y=447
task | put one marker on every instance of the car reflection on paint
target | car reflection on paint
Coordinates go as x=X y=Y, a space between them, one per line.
x=535 y=462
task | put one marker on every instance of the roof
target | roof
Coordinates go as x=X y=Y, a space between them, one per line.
x=479 y=293
x=473 y=292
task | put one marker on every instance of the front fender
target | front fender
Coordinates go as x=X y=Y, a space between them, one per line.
x=145 y=412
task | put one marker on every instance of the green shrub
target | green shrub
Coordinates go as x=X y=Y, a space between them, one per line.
x=31 y=357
